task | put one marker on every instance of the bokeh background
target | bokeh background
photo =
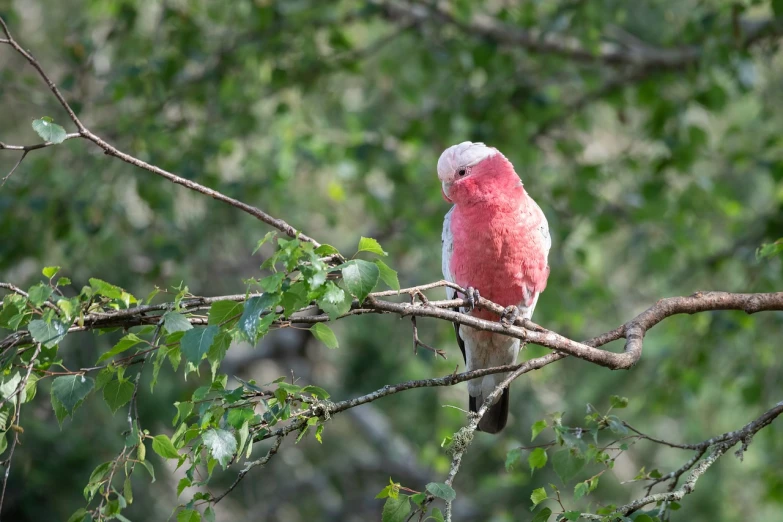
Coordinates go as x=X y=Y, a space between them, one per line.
x=657 y=180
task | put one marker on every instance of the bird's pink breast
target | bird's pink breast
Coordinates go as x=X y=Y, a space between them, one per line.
x=498 y=250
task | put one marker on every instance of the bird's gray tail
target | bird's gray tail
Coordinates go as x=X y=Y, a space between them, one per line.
x=496 y=416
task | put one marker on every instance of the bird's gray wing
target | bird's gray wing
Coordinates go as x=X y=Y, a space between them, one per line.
x=447 y=243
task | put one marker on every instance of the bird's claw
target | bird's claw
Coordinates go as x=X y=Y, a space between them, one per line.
x=510 y=315
x=472 y=295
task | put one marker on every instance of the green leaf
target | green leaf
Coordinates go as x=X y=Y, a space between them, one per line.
x=543 y=515
x=126 y=343
x=117 y=394
x=176 y=322
x=326 y=250
x=315 y=272
x=151 y=295
x=48 y=130
x=360 y=277
x=512 y=457
x=368 y=244
x=223 y=312
x=537 y=459
x=302 y=433
x=538 y=427
x=333 y=294
x=78 y=515
x=567 y=465
x=103 y=288
x=251 y=316
x=291 y=389
x=616 y=425
x=538 y=496
x=8 y=387
x=581 y=490
x=641 y=517
x=209 y=514
x=396 y=509
x=163 y=446
x=189 y=515
x=335 y=302
x=30 y=388
x=100 y=471
x=437 y=516
x=221 y=444
x=63 y=281
x=183 y=483
x=294 y=298
x=385 y=492
x=272 y=283
x=50 y=271
x=316 y=391
x=418 y=498
x=147 y=466
x=47 y=333
x=38 y=294
x=70 y=390
x=618 y=402
x=324 y=334
x=392 y=490
x=388 y=275
x=196 y=342
x=572 y=515
x=267 y=237
x=184 y=409
x=217 y=352
x=238 y=416
x=770 y=249
x=12 y=306
x=777 y=8
x=59 y=410
x=442 y=490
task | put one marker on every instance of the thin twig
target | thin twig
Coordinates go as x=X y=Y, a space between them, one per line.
x=250 y=465
x=109 y=149
x=720 y=444
x=17 y=416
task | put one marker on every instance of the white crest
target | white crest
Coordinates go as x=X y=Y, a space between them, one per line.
x=465 y=154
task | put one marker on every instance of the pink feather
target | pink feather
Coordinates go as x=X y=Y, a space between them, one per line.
x=499 y=245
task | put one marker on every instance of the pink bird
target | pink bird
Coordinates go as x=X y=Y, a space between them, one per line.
x=495 y=243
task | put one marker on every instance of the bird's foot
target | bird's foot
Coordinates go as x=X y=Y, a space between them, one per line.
x=510 y=315
x=473 y=297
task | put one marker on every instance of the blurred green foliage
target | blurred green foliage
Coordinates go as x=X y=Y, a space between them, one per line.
x=656 y=181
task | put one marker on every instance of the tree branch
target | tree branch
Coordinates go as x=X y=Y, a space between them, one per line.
x=720 y=444
x=110 y=150
x=633 y=331
x=327 y=409
x=635 y=53
x=28 y=148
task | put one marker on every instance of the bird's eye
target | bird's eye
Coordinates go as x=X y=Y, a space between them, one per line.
x=462 y=171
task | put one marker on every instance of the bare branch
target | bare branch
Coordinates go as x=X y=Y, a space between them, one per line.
x=15 y=420
x=110 y=150
x=720 y=444
x=5 y=178
x=15 y=289
x=28 y=148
